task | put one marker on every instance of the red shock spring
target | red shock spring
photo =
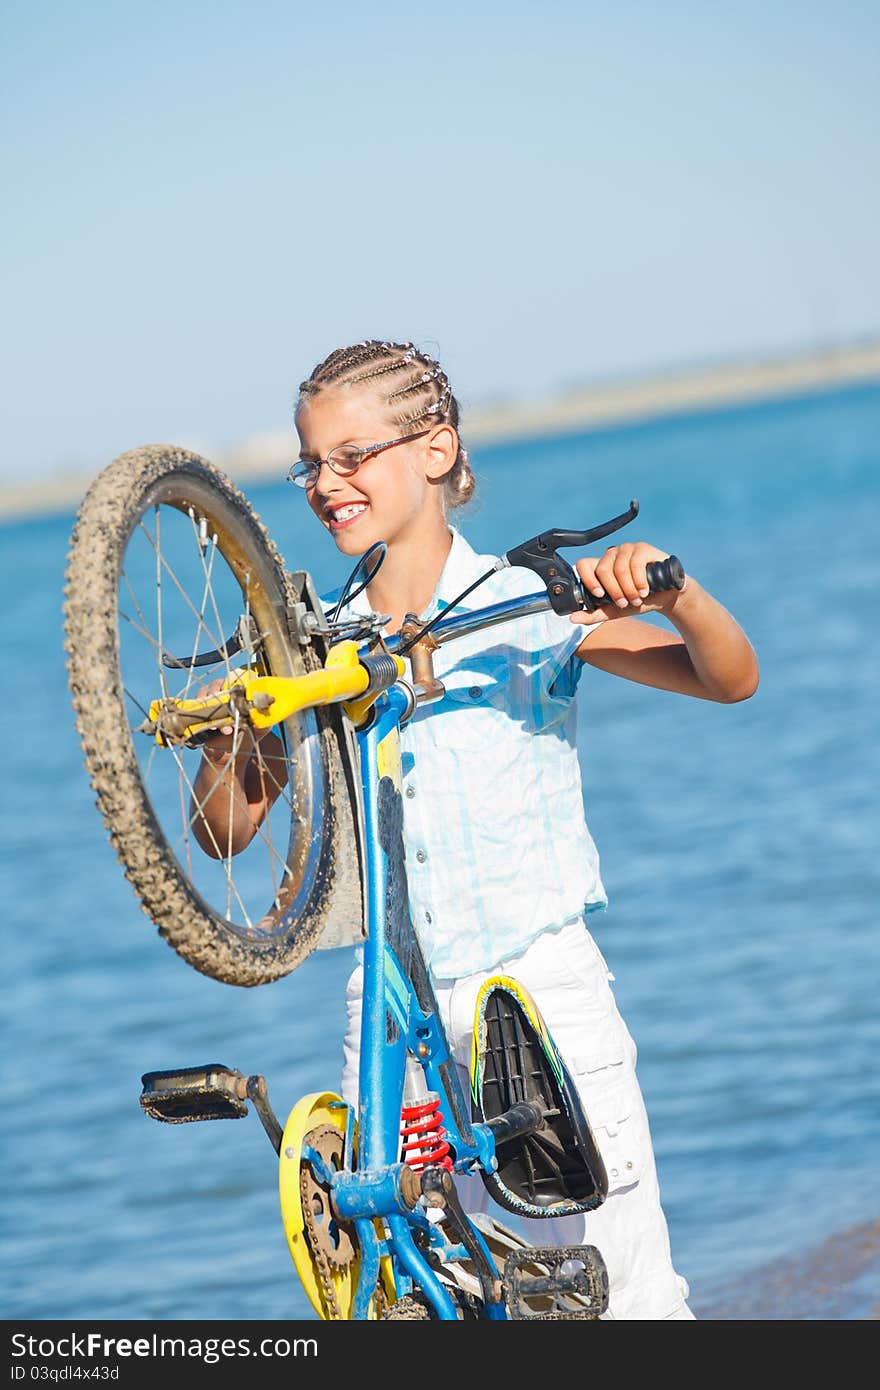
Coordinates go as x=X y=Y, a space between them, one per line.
x=423 y=1135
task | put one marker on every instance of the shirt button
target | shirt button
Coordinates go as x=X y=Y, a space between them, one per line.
x=428 y=917
x=614 y=1172
x=475 y=692
x=410 y=791
x=421 y=855
x=629 y=1164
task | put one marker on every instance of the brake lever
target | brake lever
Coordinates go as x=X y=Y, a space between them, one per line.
x=564 y=588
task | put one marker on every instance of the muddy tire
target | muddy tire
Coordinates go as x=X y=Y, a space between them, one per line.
x=147 y=496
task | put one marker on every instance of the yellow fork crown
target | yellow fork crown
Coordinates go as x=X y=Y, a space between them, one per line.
x=267 y=700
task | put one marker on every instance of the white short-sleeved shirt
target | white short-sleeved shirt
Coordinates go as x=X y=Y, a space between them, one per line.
x=497 y=844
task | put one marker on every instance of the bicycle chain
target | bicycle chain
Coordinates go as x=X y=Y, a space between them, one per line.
x=324 y=1262
x=320 y=1258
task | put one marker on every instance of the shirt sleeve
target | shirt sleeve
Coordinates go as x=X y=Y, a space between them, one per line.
x=561 y=668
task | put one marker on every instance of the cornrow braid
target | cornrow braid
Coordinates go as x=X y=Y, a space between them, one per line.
x=416 y=390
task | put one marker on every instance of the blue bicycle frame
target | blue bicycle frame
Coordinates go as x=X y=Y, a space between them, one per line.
x=396 y=1024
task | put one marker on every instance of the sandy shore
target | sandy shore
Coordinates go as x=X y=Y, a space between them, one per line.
x=834 y=1282
x=647 y=398
x=591 y=407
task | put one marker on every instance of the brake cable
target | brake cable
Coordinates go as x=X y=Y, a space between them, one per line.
x=564 y=589
x=346 y=594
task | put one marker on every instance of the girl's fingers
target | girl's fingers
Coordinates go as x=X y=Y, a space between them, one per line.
x=585 y=619
x=623 y=572
x=638 y=569
x=607 y=576
x=212 y=688
x=586 y=571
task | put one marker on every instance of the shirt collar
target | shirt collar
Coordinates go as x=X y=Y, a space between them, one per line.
x=463 y=565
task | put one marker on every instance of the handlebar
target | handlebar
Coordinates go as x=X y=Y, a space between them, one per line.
x=662 y=575
x=358 y=676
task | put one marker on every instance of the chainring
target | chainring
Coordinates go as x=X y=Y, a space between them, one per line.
x=330 y=1240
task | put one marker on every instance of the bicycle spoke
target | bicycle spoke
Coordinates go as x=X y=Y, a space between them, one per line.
x=161 y=560
x=236 y=744
x=283 y=762
x=142 y=626
x=197 y=813
x=208 y=571
x=230 y=888
x=149 y=767
x=183 y=819
x=159 y=597
x=135 y=701
x=273 y=853
x=214 y=604
x=263 y=834
x=143 y=629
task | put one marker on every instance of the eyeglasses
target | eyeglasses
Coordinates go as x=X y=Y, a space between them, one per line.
x=345 y=460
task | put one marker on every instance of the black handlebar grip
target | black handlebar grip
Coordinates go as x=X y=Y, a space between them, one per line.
x=661 y=575
x=665 y=574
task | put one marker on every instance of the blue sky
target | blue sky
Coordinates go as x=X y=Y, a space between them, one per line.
x=204 y=199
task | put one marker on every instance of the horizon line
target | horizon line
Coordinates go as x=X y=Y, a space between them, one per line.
x=637 y=398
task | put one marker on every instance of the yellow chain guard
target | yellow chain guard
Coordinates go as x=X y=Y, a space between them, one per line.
x=319 y=1108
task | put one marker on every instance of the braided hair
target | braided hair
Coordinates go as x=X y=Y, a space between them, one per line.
x=415 y=387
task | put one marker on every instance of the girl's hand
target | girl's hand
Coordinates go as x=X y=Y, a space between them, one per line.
x=222 y=742
x=621 y=574
x=219 y=741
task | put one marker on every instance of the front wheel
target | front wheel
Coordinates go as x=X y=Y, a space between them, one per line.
x=167 y=561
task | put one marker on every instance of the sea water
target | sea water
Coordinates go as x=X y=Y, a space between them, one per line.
x=738 y=845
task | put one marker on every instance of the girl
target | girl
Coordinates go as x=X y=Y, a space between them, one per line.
x=501 y=866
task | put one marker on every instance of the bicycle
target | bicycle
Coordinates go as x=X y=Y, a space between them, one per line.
x=368 y=1199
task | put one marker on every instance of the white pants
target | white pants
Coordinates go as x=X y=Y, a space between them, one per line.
x=567 y=977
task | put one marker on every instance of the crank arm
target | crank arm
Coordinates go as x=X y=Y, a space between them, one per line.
x=438 y=1189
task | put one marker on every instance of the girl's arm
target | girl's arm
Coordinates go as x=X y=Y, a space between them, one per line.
x=711 y=658
x=235 y=788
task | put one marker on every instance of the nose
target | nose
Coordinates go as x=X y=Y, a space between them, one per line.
x=327 y=482
x=327 y=485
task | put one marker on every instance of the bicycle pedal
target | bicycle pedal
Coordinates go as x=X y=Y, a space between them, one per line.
x=194 y=1093
x=555 y=1283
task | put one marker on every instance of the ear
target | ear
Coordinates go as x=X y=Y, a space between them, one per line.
x=442 y=449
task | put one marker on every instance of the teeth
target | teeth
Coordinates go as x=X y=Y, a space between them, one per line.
x=344 y=513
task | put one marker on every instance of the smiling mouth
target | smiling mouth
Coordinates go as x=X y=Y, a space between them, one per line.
x=340 y=517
